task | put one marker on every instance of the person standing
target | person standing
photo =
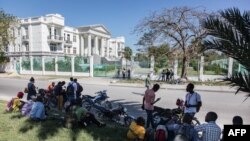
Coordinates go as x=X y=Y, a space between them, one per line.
x=210 y=130
x=148 y=104
x=128 y=73
x=193 y=101
x=123 y=73
x=147 y=82
x=31 y=88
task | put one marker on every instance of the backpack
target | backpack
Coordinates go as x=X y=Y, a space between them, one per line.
x=79 y=88
x=183 y=133
x=70 y=89
x=9 y=106
x=161 y=133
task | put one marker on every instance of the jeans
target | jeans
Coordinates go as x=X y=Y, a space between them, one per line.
x=150 y=118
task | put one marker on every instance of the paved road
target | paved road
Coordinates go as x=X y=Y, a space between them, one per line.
x=225 y=104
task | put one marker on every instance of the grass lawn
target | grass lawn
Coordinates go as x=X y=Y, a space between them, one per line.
x=14 y=127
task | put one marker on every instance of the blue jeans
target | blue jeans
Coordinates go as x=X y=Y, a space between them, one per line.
x=150 y=118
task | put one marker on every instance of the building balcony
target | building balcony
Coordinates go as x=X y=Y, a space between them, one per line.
x=25 y=38
x=55 y=39
x=68 y=42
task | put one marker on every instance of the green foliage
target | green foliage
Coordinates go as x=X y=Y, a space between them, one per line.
x=3 y=58
x=37 y=63
x=26 y=64
x=64 y=65
x=160 y=53
x=230 y=34
x=216 y=68
x=6 y=22
x=50 y=65
x=128 y=53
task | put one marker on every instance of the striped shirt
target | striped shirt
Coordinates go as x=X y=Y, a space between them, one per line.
x=210 y=131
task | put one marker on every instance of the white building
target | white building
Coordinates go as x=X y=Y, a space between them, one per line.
x=48 y=36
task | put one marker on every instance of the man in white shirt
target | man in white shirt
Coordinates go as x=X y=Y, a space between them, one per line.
x=192 y=100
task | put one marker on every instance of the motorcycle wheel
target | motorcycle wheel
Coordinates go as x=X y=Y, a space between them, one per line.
x=156 y=118
x=195 y=122
x=127 y=121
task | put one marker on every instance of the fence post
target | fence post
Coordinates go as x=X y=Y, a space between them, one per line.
x=175 y=67
x=91 y=66
x=72 y=65
x=21 y=67
x=43 y=65
x=201 y=68
x=56 y=65
x=31 y=64
x=230 y=67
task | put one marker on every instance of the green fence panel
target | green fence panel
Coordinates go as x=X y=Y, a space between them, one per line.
x=64 y=64
x=26 y=63
x=81 y=64
x=37 y=63
x=49 y=64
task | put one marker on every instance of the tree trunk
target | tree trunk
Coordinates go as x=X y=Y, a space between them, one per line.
x=184 y=67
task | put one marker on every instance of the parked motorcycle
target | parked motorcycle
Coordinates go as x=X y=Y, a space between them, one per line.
x=168 y=116
x=101 y=99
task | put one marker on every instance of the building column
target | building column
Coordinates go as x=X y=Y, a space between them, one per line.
x=43 y=65
x=175 y=67
x=20 y=66
x=82 y=45
x=102 y=47
x=30 y=38
x=52 y=32
x=91 y=66
x=72 y=65
x=31 y=64
x=201 y=69
x=56 y=65
x=62 y=38
x=89 y=45
x=116 y=49
x=152 y=63
x=107 y=44
x=96 y=45
x=230 y=67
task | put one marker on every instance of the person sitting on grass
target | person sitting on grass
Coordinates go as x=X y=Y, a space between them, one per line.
x=136 y=130
x=26 y=109
x=37 y=112
x=84 y=117
x=15 y=104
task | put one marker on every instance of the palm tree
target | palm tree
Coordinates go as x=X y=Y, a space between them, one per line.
x=229 y=32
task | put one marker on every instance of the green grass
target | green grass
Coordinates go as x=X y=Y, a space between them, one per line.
x=15 y=127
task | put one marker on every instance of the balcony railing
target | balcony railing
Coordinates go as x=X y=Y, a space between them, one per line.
x=68 y=41
x=55 y=38
x=25 y=38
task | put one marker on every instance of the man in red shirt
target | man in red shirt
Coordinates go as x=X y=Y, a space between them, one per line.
x=148 y=103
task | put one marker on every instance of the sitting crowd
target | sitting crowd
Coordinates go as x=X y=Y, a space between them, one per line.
x=68 y=101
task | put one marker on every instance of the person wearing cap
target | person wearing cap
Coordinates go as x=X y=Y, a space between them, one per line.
x=31 y=88
x=17 y=103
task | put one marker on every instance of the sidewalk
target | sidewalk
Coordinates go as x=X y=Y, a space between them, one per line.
x=115 y=82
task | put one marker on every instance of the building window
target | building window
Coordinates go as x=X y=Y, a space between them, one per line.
x=74 y=38
x=68 y=50
x=19 y=48
x=68 y=37
x=74 y=50
x=27 y=47
x=53 y=47
x=65 y=50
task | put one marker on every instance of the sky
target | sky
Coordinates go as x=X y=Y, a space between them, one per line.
x=119 y=16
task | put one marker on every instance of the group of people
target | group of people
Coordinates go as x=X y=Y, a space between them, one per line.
x=125 y=73
x=185 y=131
x=67 y=99
x=35 y=108
x=166 y=75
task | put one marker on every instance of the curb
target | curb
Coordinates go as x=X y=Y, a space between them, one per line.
x=204 y=90
x=115 y=85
